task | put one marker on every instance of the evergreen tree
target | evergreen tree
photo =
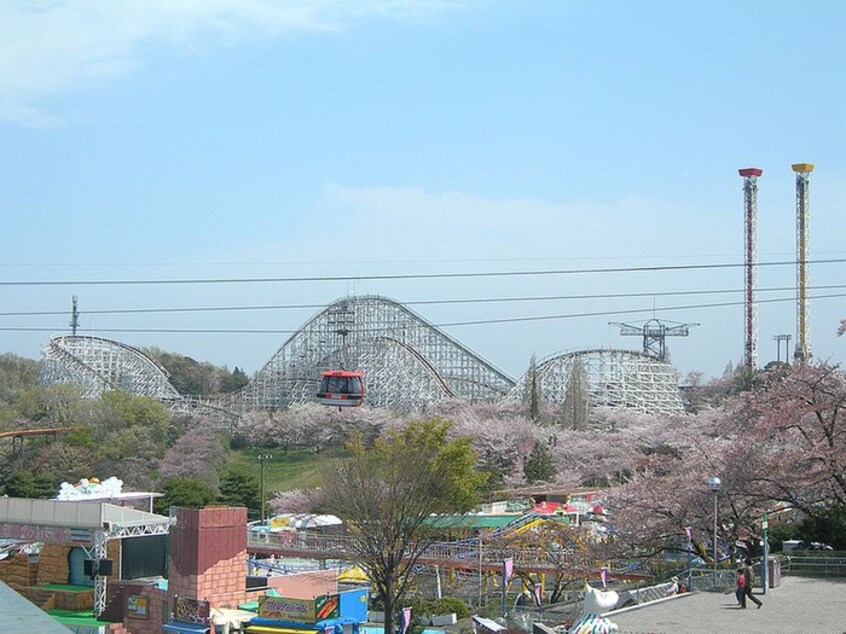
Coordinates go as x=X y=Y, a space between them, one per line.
x=539 y=467
x=29 y=484
x=186 y=492
x=240 y=488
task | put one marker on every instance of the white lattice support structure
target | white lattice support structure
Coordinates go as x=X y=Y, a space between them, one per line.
x=98 y=365
x=99 y=553
x=803 y=252
x=750 y=224
x=407 y=361
x=615 y=378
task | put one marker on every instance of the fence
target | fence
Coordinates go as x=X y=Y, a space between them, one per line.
x=819 y=564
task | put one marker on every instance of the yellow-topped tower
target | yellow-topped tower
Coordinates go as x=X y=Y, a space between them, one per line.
x=803 y=250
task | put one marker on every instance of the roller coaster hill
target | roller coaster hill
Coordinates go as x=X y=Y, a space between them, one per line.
x=408 y=362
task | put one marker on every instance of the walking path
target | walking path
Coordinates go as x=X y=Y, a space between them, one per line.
x=797 y=605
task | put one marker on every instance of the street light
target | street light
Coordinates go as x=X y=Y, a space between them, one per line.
x=262 y=458
x=715 y=485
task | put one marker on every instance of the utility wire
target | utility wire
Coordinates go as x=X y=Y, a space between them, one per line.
x=407 y=276
x=478 y=322
x=427 y=302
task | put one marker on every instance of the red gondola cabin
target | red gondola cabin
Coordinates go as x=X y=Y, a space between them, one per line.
x=341 y=388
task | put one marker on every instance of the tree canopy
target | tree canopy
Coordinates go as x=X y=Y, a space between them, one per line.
x=384 y=493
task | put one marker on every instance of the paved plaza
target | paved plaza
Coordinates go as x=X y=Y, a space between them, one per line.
x=797 y=605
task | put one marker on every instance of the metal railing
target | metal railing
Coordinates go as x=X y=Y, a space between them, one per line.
x=468 y=553
x=821 y=564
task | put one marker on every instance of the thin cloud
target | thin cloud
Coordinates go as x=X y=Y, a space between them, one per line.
x=48 y=48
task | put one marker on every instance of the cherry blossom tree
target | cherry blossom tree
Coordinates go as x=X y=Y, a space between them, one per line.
x=199 y=453
x=295 y=501
x=794 y=438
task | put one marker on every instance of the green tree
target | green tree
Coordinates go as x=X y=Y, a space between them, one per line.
x=29 y=484
x=186 y=492
x=386 y=493
x=539 y=467
x=240 y=488
x=535 y=396
x=576 y=408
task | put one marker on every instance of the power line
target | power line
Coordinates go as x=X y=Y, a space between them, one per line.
x=478 y=322
x=407 y=276
x=427 y=302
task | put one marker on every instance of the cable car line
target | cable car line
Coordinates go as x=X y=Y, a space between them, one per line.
x=408 y=276
x=426 y=302
x=478 y=322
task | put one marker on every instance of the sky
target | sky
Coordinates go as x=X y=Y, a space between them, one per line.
x=221 y=142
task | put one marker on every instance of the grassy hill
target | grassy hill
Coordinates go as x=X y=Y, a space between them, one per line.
x=296 y=469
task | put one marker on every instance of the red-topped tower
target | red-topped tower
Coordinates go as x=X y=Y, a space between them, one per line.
x=750 y=223
x=803 y=251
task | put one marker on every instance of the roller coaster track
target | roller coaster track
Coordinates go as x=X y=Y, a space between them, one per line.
x=21 y=433
x=18 y=436
x=408 y=362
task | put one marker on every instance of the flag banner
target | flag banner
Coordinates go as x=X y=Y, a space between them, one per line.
x=538 y=594
x=406 y=620
x=603 y=574
x=507 y=570
x=687 y=532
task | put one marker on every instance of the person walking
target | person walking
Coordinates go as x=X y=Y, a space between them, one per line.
x=749 y=579
x=740 y=588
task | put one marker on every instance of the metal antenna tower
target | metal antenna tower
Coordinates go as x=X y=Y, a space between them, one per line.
x=74 y=323
x=786 y=339
x=803 y=306
x=654 y=333
x=750 y=223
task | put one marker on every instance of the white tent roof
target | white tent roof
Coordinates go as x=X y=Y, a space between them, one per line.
x=303 y=521
x=73 y=514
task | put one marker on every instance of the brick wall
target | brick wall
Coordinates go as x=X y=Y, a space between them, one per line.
x=208 y=555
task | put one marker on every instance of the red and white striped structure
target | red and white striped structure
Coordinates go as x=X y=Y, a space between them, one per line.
x=803 y=251
x=750 y=223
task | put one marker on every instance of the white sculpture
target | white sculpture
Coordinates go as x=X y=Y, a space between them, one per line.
x=92 y=488
x=590 y=621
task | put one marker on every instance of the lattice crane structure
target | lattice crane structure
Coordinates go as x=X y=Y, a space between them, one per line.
x=803 y=252
x=750 y=224
x=655 y=333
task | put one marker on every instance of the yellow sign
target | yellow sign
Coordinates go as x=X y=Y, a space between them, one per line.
x=283 y=609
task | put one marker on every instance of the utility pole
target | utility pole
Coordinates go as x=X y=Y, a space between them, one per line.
x=262 y=458
x=74 y=323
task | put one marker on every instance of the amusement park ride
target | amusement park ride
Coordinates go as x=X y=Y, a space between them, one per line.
x=341 y=388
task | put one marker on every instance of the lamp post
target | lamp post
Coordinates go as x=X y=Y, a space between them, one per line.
x=262 y=458
x=715 y=485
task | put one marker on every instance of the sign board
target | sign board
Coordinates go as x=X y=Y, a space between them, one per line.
x=191 y=610
x=327 y=606
x=47 y=534
x=283 y=609
x=137 y=606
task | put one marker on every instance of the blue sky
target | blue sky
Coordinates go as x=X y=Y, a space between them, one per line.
x=173 y=139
